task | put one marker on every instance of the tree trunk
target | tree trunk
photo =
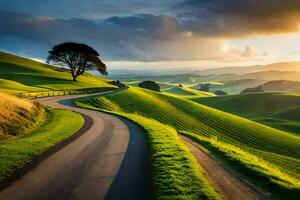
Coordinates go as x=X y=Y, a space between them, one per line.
x=74 y=78
x=73 y=75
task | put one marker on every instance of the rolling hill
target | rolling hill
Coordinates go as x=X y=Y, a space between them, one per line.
x=275 y=146
x=186 y=91
x=278 y=110
x=232 y=86
x=281 y=86
x=19 y=74
x=282 y=66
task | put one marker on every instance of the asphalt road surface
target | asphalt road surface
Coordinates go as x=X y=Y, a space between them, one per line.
x=109 y=160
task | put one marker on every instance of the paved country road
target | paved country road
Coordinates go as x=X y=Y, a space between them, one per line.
x=109 y=160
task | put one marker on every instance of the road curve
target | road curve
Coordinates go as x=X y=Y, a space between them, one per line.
x=110 y=160
x=225 y=182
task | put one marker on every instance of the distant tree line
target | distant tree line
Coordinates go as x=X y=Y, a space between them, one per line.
x=252 y=90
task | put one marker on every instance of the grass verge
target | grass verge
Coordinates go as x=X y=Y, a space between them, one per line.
x=272 y=177
x=16 y=153
x=18 y=116
x=176 y=174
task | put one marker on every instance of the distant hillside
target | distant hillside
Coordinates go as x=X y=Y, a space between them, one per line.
x=278 y=110
x=233 y=86
x=284 y=66
x=186 y=92
x=281 y=86
x=273 y=75
x=19 y=74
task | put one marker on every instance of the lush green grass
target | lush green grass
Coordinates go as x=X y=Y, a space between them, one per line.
x=22 y=75
x=267 y=174
x=15 y=153
x=186 y=91
x=278 y=110
x=279 y=148
x=176 y=174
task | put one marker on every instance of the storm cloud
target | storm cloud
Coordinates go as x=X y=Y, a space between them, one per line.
x=237 y=18
x=185 y=30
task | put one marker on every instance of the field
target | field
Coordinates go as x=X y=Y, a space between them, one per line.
x=278 y=110
x=18 y=116
x=18 y=75
x=277 y=148
x=18 y=151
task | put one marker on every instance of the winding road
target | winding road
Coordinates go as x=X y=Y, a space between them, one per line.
x=108 y=160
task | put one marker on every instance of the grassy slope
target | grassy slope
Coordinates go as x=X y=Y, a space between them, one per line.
x=19 y=75
x=277 y=110
x=186 y=92
x=281 y=86
x=277 y=147
x=18 y=116
x=21 y=150
x=176 y=174
x=173 y=89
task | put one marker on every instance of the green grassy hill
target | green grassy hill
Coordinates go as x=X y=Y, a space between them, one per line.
x=19 y=74
x=275 y=146
x=278 y=110
x=187 y=91
x=281 y=86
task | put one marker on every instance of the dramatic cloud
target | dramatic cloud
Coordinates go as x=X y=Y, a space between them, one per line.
x=88 y=9
x=235 y=18
x=140 y=37
x=175 y=30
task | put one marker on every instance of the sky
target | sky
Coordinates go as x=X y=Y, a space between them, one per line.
x=157 y=34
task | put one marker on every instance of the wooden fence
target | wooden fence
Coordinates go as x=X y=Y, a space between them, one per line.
x=50 y=93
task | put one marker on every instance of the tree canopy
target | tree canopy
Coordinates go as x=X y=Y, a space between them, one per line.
x=220 y=93
x=151 y=85
x=205 y=87
x=76 y=57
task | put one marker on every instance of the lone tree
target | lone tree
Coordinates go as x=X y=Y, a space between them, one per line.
x=77 y=57
x=150 y=85
x=205 y=87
